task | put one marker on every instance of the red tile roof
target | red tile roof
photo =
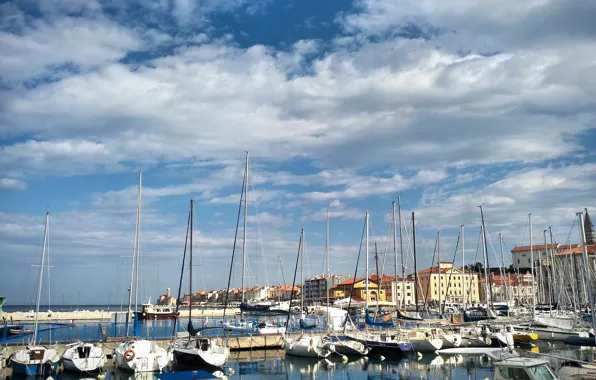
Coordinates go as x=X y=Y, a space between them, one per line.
x=525 y=248
x=577 y=250
x=436 y=270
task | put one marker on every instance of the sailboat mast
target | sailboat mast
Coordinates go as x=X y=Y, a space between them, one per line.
x=328 y=278
x=394 y=291
x=192 y=219
x=506 y=277
x=138 y=239
x=415 y=266
x=587 y=267
x=302 y=271
x=463 y=267
x=532 y=268
x=439 y=268
x=245 y=217
x=550 y=288
x=401 y=253
x=40 y=281
x=486 y=261
x=366 y=243
x=552 y=267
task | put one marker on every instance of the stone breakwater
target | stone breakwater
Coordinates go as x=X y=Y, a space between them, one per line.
x=101 y=315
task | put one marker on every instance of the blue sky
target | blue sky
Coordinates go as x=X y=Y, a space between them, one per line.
x=343 y=105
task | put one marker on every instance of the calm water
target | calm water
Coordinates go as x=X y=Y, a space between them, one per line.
x=275 y=365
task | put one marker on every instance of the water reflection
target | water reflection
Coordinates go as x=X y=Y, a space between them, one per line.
x=275 y=365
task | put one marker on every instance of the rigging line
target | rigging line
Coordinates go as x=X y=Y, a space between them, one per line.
x=259 y=232
x=386 y=246
x=417 y=283
x=355 y=274
x=524 y=234
x=451 y=273
x=294 y=282
x=432 y=264
x=472 y=273
x=234 y=249
x=182 y=276
x=200 y=253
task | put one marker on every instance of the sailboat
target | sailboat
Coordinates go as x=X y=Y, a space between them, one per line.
x=139 y=355
x=304 y=345
x=36 y=360
x=199 y=351
x=85 y=358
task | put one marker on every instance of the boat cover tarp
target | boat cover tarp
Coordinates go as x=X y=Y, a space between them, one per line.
x=371 y=322
x=580 y=341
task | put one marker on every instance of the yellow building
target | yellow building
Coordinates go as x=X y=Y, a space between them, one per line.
x=343 y=289
x=454 y=284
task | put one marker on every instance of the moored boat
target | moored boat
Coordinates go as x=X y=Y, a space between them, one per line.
x=151 y=312
x=84 y=358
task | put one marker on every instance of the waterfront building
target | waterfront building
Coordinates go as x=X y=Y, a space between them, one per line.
x=521 y=256
x=315 y=288
x=344 y=289
x=509 y=287
x=284 y=293
x=256 y=293
x=453 y=282
x=396 y=288
x=166 y=299
x=573 y=281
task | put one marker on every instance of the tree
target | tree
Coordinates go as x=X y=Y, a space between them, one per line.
x=476 y=267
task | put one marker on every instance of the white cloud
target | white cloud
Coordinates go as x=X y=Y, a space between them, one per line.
x=8 y=184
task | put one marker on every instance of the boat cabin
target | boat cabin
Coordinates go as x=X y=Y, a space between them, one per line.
x=523 y=369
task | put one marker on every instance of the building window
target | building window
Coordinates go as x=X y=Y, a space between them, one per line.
x=436 y=293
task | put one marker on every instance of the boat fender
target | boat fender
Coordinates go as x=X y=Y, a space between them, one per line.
x=283 y=345
x=129 y=355
x=488 y=341
x=291 y=347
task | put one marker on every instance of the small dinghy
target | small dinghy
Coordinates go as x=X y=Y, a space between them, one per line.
x=84 y=358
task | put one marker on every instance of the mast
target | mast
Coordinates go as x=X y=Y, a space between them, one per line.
x=550 y=289
x=139 y=205
x=40 y=281
x=394 y=293
x=135 y=263
x=415 y=266
x=192 y=219
x=463 y=267
x=587 y=267
x=245 y=216
x=328 y=271
x=302 y=271
x=439 y=267
x=552 y=266
x=486 y=261
x=504 y=271
x=532 y=268
x=401 y=253
x=572 y=281
x=366 y=280
x=379 y=280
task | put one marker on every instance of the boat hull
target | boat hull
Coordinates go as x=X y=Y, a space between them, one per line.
x=351 y=348
x=43 y=369
x=157 y=316
x=426 y=345
x=83 y=365
x=146 y=358
x=189 y=358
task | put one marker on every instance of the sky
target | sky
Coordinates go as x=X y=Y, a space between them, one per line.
x=343 y=106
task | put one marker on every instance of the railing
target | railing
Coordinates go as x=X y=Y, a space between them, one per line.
x=153 y=329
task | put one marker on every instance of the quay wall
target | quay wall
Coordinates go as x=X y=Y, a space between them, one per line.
x=102 y=315
x=236 y=343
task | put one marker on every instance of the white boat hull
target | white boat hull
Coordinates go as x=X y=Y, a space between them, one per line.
x=306 y=347
x=426 y=345
x=469 y=350
x=201 y=352
x=451 y=340
x=84 y=358
x=148 y=356
x=272 y=330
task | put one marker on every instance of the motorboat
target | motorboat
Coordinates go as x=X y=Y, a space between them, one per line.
x=84 y=358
